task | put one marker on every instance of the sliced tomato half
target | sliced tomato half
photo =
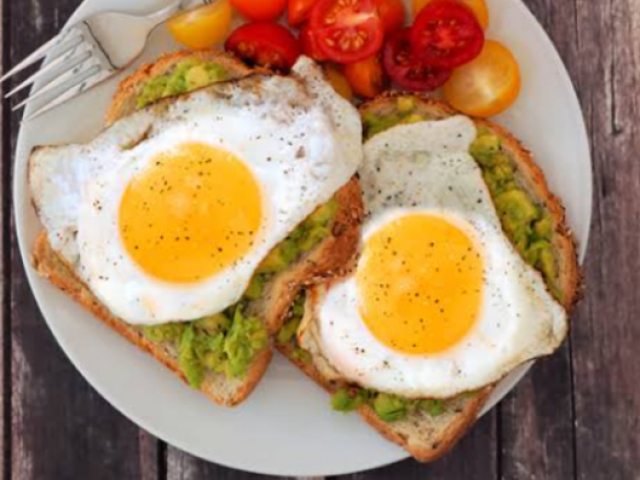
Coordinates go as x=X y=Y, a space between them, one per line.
x=446 y=34
x=264 y=43
x=405 y=70
x=347 y=30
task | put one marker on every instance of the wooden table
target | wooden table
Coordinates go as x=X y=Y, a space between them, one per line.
x=576 y=415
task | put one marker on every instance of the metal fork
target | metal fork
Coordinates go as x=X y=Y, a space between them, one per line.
x=85 y=54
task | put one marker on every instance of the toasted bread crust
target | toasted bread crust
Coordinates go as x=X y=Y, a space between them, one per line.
x=124 y=100
x=327 y=259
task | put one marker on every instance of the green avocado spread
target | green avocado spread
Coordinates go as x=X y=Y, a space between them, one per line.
x=229 y=341
x=186 y=76
x=388 y=408
x=526 y=223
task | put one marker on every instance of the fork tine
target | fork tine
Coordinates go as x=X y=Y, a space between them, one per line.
x=87 y=82
x=55 y=46
x=68 y=79
x=59 y=65
x=31 y=59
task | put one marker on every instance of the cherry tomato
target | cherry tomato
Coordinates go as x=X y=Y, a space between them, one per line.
x=266 y=44
x=366 y=77
x=486 y=86
x=260 y=10
x=299 y=11
x=406 y=71
x=392 y=14
x=446 y=34
x=348 y=30
x=309 y=44
x=339 y=82
x=203 y=26
x=479 y=8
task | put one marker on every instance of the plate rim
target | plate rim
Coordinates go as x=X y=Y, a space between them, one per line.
x=507 y=384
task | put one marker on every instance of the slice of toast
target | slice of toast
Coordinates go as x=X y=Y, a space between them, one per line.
x=330 y=255
x=424 y=436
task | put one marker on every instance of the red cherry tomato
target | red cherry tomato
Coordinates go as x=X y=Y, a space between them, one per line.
x=266 y=44
x=446 y=34
x=392 y=14
x=309 y=44
x=405 y=70
x=260 y=10
x=299 y=10
x=347 y=30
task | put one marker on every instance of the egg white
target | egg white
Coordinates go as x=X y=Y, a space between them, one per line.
x=425 y=168
x=300 y=140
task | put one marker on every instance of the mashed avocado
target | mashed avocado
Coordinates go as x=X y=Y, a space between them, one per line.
x=526 y=224
x=218 y=343
x=228 y=342
x=389 y=408
x=186 y=76
x=300 y=241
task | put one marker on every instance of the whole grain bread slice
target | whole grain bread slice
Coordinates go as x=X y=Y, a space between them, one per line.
x=424 y=436
x=327 y=257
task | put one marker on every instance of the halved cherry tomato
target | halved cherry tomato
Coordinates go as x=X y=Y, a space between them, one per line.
x=446 y=34
x=203 y=26
x=348 y=30
x=391 y=13
x=339 y=82
x=406 y=71
x=260 y=10
x=299 y=10
x=309 y=44
x=479 y=8
x=366 y=77
x=266 y=44
x=486 y=86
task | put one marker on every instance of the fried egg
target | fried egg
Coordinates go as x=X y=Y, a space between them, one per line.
x=439 y=301
x=166 y=215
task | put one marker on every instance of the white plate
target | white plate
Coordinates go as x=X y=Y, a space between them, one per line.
x=287 y=427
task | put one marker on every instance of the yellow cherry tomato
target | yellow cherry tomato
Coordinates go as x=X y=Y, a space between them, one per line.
x=339 y=82
x=203 y=26
x=479 y=7
x=487 y=85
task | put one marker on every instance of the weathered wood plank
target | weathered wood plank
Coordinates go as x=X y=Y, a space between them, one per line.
x=606 y=333
x=474 y=457
x=5 y=281
x=182 y=466
x=61 y=428
x=536 y=420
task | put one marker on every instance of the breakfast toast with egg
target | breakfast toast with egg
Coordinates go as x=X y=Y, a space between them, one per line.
x=327 y=256
x=428 y=433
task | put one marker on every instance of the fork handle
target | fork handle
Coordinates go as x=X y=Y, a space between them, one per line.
x=166 y=13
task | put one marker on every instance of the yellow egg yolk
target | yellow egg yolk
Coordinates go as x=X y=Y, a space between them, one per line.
x=191 y=213
x=419 y=284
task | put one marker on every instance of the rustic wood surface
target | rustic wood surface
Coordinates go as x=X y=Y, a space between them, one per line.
x=576 y=415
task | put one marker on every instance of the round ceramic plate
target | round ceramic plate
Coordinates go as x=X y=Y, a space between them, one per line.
x=287 y=426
